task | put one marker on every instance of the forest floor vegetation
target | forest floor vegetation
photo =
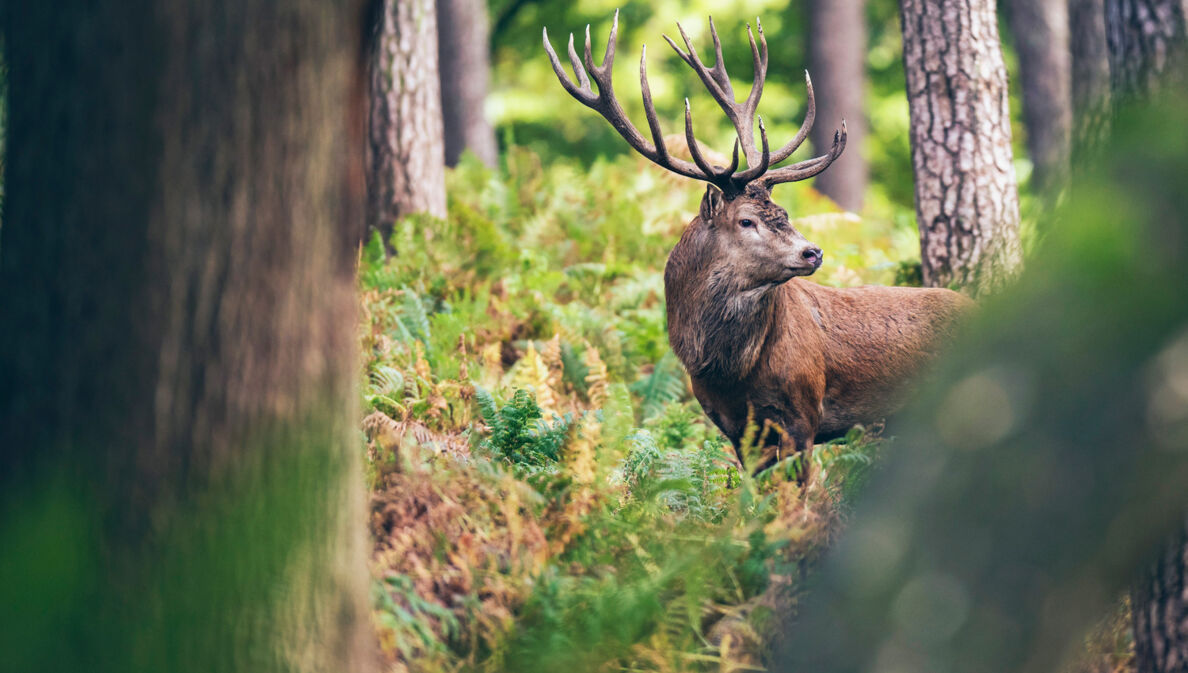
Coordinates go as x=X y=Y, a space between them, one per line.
x=546 y=493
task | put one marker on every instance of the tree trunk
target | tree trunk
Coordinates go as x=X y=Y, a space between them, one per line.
x=967 y=200
x=1143 y=37
x=1090 y=76
x=406 y=170
x=463 y=51
x=180 y=488
x=1040 y=29
x=1160 y=604
x=837 y=62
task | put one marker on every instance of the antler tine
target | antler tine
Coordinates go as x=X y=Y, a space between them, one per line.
x=583 y=94
x=807 y=169
x=602 y=73
x=810 y=116
x=764 y=160
x=608 y=56
x=694 y=61
x=694 y=149
x=588 y=57
x=719 y=69
x=649 y=107
x=759 y=61
x=578 y=70
x=722 y=177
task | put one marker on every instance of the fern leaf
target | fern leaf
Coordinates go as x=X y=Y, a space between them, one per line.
x=387 y=381
x=487 y=407
x=596 y=380
x=552 y=360
x=665 y=384
x=420 y=364
x=574 y=370
x=492 y=355
x=413 y=316
x=532 y=372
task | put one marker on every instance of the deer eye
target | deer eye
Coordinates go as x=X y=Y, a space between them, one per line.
x=746 y=223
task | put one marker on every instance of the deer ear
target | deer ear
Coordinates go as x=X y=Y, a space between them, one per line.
x=711 y=203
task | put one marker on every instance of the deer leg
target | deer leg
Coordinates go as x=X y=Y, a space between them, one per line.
x=786 y=439
x=796 y=425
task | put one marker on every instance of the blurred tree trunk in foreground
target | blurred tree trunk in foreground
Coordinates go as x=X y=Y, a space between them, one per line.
x=1040 y=29
x=406 y=170
x=1144 y=37
x=967 y=201
x=1090 y=76
x=181 y=488
x=463 y=55
x=1046 y=463
x=837 y=63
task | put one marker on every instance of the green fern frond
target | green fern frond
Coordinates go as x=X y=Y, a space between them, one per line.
x=665 y=384
x=387 y=381
x=414 y=318
x=488 y=409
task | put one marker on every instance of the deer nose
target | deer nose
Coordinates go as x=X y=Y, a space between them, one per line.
x=812 y=256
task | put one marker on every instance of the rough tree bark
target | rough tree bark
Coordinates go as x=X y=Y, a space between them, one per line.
x=1160 y=603
x=1090 y=76
x=967 y=201
x=406 y=170
x=180 y=487
x=463 y=55
x=1144 y=37
x=1040 y=29
x=837 y=63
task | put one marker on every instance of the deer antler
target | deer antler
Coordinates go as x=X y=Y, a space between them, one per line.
x=742 y=115
x=605 y=104
x=717 y=81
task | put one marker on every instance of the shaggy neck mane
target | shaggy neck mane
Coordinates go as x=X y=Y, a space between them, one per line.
x=716 y=328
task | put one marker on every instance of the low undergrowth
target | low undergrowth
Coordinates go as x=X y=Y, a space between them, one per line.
x=547 y=495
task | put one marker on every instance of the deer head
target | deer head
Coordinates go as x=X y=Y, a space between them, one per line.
x=752 y=238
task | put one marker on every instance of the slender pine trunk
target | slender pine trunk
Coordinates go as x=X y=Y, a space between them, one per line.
x=837 y=62
x=1090 y=77
x=1040 y=29
x=1144 y=37
x=406 y=169
x=463 y=54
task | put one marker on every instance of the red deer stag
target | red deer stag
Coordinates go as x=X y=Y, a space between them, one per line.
x=813 y=361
